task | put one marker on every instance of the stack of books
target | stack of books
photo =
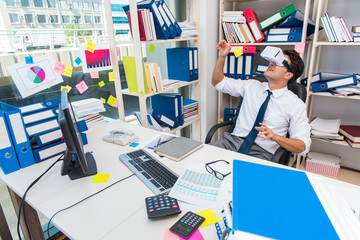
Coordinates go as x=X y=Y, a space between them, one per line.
x=153 y=77
x=326 y=129
x=89 y=111
x=235 y=27
x=336 y=29
x=352 y=134
x=356 y=33
x=188 y=29
x=156 y=21
x=190 y=109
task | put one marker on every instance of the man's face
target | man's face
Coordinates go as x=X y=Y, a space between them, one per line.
x=277 y=73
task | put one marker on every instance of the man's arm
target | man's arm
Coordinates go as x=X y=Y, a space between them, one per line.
x=290 y=144
x=218 y=73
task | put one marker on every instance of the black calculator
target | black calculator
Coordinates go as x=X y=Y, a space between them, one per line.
x=161 y=206
x=187 y=225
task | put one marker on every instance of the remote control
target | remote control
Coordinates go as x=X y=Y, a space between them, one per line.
x=187 y=225
x=161 y=206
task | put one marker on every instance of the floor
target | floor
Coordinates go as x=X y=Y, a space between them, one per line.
x=344 y=175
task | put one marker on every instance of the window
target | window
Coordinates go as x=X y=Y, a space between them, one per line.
x=25 y=3
x=75 y=5
x=63 y=4
x=65 y=19
x=54 y=18
x=95 y=6
x=86 y=6
x=120 y=32
x=41 y=19
x=120 y=20
x=87 y=19
x=14 y=18
x=9 y=3
x=51 y=3
x=97 y=19
x=117 y=8
x=77 y=19
x=38 y=3
x=28 y=18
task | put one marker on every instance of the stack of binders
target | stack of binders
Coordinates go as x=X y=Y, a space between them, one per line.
x=156 y=21
x=168 y=109
x=356 y=33
x=324 y=81
x=229 y=114
x=182 y=63
x=240 y=67
x=88 y=110
x=190 y=109
x=336 y=29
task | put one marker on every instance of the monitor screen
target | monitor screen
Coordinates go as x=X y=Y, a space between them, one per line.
x=76 y=164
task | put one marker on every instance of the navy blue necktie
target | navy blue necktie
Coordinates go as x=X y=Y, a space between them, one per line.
x=249 y=140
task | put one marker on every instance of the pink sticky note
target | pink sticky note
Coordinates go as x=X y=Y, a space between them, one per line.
x=116 y=104
x=168 y=235
x=81 y=87
x=117 y=52
x=195 y=236
x=94 y=74
x=300 y=47
x=59 y=67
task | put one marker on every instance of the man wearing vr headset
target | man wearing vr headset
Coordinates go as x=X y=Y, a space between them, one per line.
x=285 y=112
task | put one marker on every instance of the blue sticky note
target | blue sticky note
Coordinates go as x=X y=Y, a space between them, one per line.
x=29 y=60
x=133 y=144
x=78 y=61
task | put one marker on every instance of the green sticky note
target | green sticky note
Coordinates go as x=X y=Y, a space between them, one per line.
x=210 y=217
x=101 y=178
x=141 y=93
x=238 y=52
x=151 y=48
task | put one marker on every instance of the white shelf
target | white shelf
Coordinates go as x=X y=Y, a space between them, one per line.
x=271 y=43
x=327 y=94
x=177 y=39
x=337 y=44
x=184 y=125
x=335 y=142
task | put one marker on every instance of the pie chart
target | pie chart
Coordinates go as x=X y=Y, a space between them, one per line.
x=36 y=74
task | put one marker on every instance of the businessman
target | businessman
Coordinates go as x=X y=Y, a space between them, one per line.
x=269 y=109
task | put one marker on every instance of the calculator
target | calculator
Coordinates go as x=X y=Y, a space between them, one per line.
x=187 y=225
x=161 y=206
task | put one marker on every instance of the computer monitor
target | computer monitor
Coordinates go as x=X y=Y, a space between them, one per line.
x=76 y=163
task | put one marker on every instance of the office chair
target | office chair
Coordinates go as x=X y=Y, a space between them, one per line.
x=281 y=156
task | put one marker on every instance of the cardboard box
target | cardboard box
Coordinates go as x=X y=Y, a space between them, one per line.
x=323 y=163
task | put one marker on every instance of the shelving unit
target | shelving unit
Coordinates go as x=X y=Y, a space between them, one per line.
x=241 y=5
x=337 y=106
x=193 y=87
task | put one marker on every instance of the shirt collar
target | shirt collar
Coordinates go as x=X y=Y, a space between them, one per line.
x=276 y=93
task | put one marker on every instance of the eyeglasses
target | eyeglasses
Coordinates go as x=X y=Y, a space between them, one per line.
x=217 y=174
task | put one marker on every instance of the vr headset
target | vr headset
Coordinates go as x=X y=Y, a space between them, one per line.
x=276 y=55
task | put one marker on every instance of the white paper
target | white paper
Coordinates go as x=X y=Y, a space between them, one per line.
x=23 y=76
x=325 y=125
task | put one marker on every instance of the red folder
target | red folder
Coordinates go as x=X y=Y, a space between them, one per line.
x=141 y=24
x=253 y=22
x=245 y=48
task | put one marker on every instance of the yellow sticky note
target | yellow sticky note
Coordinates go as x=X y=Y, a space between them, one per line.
x=67 y=87
x=141 y=93
x=68 y=71
x=210 y=217
x=238 y=52
x=102 y=99
x=90 y=46
x=101 y=84
x=151 y=48
x=111 y=101
x=111 y=77
x=101 y=178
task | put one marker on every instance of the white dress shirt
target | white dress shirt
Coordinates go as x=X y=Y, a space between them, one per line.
x=285 y=111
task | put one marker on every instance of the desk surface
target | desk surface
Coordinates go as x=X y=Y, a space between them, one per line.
x=117 y=212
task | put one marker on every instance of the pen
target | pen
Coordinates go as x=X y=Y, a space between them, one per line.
x=158 y=142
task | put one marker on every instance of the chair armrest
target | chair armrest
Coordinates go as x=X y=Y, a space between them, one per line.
x=214 y=129
x=281 y=156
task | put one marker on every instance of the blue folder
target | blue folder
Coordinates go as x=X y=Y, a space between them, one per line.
x=49 y=151
x=239 y=67
x=43 y=126
x=8 y=159
x=166 y=109
x=292 y=34
x=171 y=17
x=179 y=64
x=39 y=116
x=17 y=131
x=248 y=65
x=296 y=19
x=270 y=202
x=40 y=106
x=334 y=83
x=195 y=62
x=232 y=67
x=45 y=138
x=167 y=20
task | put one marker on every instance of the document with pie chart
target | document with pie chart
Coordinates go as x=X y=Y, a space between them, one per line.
x=33 y=78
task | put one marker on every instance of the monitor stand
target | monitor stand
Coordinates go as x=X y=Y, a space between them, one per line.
x=74 y=169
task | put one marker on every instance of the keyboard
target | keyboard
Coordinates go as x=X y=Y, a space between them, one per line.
x=153 y=173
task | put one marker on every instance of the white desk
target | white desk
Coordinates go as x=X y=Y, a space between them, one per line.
x=118 y=212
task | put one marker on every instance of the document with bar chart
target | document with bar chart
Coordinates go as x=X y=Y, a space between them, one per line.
x=99 y=60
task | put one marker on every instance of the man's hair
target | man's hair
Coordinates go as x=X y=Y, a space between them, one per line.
x=297 y=64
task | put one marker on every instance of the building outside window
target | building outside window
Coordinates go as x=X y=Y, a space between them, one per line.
x=97 y=19
x=25 y=3
x=38 y=3
x=86 y=6
x=9 y=3
x=77 y=19
x=63 y=4
x=95 y=6
x=65 y=19
x=28 y=18
x=41 y=19
x=51 y=3
x=14 y=18
x=87 y=19
x=54 y=18
x=75 y=5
